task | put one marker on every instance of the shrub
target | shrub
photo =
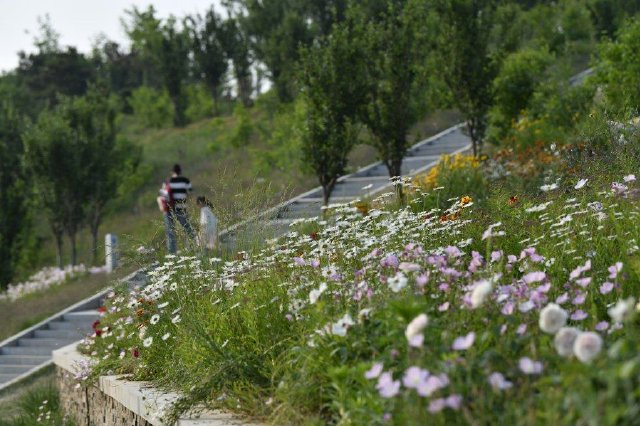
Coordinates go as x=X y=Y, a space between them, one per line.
x=151 y=107
x=200 y=103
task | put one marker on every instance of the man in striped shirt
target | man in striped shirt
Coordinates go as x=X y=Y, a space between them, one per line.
x=175 y=192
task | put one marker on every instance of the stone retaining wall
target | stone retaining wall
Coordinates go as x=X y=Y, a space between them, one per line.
x=115 y=401
x=89 y=406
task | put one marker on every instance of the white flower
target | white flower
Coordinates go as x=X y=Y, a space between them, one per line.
x=176 y=319
x=498 y=382
x=552 y=318
x=581 y=183
x=550 y=187
x=629 y=178
x=587 y=346
x=155 y=319
x=398 y=282
x=564 y=340
x=529 y=366
x=622 y=309
x=416 y=326
x=147 y=342
x=316 y=293
x=166 y=336
x=339 y=328
x=480 y=293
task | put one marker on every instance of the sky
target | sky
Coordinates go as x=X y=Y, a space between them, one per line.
x=78 y=22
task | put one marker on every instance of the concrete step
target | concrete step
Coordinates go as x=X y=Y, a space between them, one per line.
x=47 y=343
x=23 y=359
x=15 y=369
x=62 y=333
x=70 y=325
x=82 y=316
x=28 y=350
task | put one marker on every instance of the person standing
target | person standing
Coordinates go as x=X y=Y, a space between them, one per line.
x=208 y=225
x=173 y=203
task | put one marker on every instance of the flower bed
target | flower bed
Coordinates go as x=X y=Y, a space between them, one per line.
x=521 y=310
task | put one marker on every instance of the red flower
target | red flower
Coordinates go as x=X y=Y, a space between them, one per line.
x=102 y=309
x=314 y=235
x=95 y=324
x=135 y=353
x=98 y=333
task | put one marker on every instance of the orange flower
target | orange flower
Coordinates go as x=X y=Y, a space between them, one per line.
x=465 y=200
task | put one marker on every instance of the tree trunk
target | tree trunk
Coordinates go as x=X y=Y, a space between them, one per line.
x=95 y=225
x=472 y=134
x=59 y=242
x=327 y=188
x=74 y=251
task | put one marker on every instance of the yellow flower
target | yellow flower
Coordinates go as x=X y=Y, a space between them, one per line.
x=465 y=200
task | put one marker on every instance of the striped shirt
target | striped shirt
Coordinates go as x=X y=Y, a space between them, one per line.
x=180 y=187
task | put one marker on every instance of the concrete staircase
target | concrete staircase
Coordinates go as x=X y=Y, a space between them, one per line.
x=30 y=350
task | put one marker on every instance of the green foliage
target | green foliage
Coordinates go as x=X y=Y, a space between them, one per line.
x=519 y=76
x=143 y=29
x=468 y=63
x=388 y=110
x=242 y=131
x=619 y=70
x=151 y=107
x=39 y=405
x=200 y=103
x=332 y=102
x=14 y=193
x=208 y=37
x=174 y=67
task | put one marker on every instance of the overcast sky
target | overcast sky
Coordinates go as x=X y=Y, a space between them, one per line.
x=77 y=21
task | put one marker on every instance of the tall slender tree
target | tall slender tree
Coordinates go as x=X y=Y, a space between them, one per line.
x=467 y=62
x=332 y=103
x=207 y=35
x=14 y=191
x=174 y=66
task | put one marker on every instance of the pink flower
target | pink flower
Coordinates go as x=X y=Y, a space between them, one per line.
x=496 y=255
x=443 y=307
x=498 y=382
x=508 y=308
x=414 y=376
x=529 y=366
x=432 y=384
x=387 y=387
x=580 y=270
x=534 y=277
x=463 y=343
x=522 y=328
x=416 y=341
x=614 y=270
x=602 y=325
x=374 y=371
x=409 y=267
x=579 y=315
x=437 y=405
x=579 y=299
x=606 y=288
x=562 y=298
x=422 y=280
x=583 y=282
x=454 y=401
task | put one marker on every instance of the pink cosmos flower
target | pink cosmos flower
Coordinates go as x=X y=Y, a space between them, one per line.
x=580 y=270
x=579 y=315
x=414 y=376
x=387 y=387
x=522 y=328
x=562 y=298
x=443 y=307
x=454 y=401
x=463 y=343
x=437 y=405
x=432 y=384
x=583 y=282
x=602 y=325
x=614 y=270
x=508 y=308
x=579 y=299
x=606 y=288
x=529 y=366
x=496 y=255
x=534 y=277
x=416 y=341
x=408 y=267
x=374 y=371
x=498 y=382
x=422 y=280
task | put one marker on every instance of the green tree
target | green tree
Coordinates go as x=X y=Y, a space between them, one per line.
x=619 y=70
x=392 y=59
x=51 y=160
x=332 y=103
x=144 y=32
x=519 y=76
x=174 y=65
x=236 y=44
x=207 y=35
x=14 y=191
x=468 y=64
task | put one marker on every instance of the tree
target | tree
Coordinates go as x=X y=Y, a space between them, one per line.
x=107 y=160
x=207 y=35
x=332 y=103
x=236 y=43
x=14 y=194
x=392 y=61
x=519 y=76
x=51 y=161
x=467 y=63
x=174 y=65
x=144 y=32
